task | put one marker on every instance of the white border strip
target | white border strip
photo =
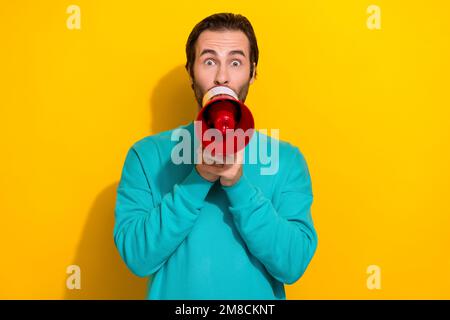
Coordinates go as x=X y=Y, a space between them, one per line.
x=216 y=91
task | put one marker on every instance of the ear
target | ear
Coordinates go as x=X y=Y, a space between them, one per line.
x=191 y=81
x=254 y=73
x=189 y=75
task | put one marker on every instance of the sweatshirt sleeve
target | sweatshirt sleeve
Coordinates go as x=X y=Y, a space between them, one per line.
x=282 y=238
x=146 y=235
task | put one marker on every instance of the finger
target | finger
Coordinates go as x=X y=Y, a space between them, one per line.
x=213 y=160
x=211 y=169
x=236 y=158
x=225 y=170
x=240 y=156
x=198 y=155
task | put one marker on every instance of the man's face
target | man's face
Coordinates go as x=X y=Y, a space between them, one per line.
x=222 y=58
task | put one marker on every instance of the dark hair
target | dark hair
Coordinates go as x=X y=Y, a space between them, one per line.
x=219 y=22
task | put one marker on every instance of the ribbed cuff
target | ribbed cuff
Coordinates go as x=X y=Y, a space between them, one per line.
x=195 y=187
x=241 y=192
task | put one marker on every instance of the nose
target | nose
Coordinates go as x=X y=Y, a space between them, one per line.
x=221 y=77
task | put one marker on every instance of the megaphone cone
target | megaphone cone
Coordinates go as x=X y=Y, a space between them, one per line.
x=224 y=112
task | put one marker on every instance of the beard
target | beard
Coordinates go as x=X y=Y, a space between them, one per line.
x=199 y=93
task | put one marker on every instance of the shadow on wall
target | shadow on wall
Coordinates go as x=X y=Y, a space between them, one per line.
x=173 y=101
x=104 y=275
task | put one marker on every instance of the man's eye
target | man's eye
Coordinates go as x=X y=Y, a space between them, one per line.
x=209 y=62
x=236 y=63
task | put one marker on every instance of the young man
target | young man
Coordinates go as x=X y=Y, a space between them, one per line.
x=210 y=231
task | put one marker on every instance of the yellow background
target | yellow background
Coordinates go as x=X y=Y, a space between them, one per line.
x=369 y=109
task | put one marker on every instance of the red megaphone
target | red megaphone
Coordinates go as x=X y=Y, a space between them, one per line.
x=223 y=111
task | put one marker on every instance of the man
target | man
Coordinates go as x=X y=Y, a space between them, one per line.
x=212 y=231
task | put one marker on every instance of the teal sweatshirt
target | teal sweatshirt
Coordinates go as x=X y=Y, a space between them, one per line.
x=200 y=240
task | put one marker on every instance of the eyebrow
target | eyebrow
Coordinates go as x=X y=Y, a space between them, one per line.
x=232 y=52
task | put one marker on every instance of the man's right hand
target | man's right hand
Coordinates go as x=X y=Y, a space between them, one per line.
x=203 y=171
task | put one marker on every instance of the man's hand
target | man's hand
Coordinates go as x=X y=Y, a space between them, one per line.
x=228 y=173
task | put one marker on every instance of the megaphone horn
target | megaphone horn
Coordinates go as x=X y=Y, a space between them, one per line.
x=223 y=111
